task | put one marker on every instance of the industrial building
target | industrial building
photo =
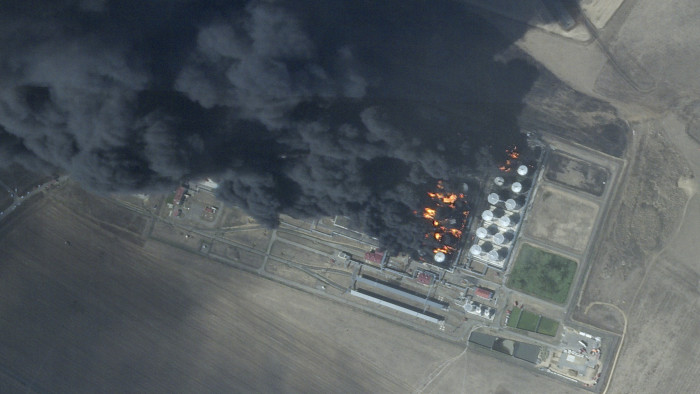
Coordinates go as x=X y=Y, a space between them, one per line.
x=374 y=257
x=483 y=293
x=366 y=295
x=527 y=352
x=479 y=309
x=425 y=277
x=399 y=299
x=520 y=350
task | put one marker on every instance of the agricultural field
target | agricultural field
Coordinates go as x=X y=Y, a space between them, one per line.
x=542 y=274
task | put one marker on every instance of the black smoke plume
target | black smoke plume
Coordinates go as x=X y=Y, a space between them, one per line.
x=308 y=108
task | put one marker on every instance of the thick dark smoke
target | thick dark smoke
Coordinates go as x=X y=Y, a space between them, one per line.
x=307 y=108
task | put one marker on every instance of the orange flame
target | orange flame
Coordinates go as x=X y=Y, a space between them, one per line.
x=449 y=199
x=513 y=152
x=442 y=198
x=444 y=249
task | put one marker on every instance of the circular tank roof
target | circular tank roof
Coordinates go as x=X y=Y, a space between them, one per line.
x=439 y=257
x=522 y=170
x=517 y=187
x=504 y=221
x=498 y=181
x=510 y=204
x=475 y=250
x=481 y=232
x=493 y=198
x=498 y=239
x=494 y=256
x=487 y=215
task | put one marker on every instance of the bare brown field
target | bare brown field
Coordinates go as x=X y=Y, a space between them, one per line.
x=641 y=221
x=109 y=216
x=256 y=238
x=294 y=253
x=112 y=315
x=481 y=371
x=562 y=218
x=647 y=266
x=237 y=254
x=295 y=275
x=662 y=344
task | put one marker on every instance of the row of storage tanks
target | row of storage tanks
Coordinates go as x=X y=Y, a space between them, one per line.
x=499 y=222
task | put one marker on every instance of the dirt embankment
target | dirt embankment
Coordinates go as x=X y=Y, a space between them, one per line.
x=641 y=221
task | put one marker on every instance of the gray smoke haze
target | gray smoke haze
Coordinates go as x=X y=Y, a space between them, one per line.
x=307 y=108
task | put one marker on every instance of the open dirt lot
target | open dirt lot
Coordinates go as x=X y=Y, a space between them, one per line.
x=661 y=292
x=646 y=264
x=643 y=218
x=663 y=324
x=561 y=218
x=107 y=314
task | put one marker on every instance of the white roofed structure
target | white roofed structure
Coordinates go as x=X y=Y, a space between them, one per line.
x=504 y=221
x=498 y=239
x=517 y=187
x=475 y=250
